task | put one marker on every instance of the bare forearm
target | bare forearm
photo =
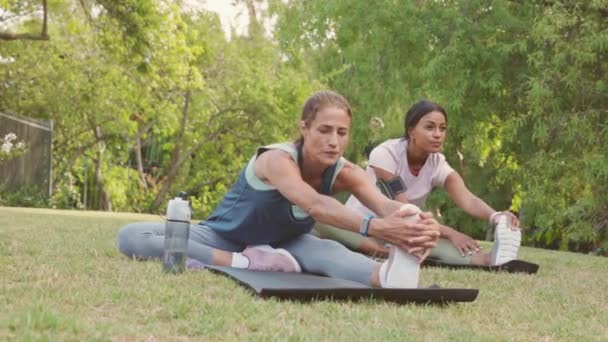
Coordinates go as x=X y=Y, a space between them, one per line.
x=445 y=231
x=330 y=211
x=381 y=205
x=478 y=208
x=389 y=207
x=392 y=205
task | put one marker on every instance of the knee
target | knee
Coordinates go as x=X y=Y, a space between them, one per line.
x=125 y=240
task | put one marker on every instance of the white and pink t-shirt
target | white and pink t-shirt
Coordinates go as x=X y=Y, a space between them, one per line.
x=391 y=156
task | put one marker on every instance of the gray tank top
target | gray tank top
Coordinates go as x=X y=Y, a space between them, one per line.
x=253 y=212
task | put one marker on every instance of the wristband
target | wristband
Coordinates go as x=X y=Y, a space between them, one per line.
x=364 y=228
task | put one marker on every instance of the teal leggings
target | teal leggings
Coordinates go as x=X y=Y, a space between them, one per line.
x=444 y=251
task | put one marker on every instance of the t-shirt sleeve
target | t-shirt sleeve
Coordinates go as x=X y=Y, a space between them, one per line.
x=383 y=157
x=442 y=171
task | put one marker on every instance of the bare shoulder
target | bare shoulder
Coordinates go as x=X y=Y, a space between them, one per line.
x=273 y=155
x=348 y=168
x=270 y=161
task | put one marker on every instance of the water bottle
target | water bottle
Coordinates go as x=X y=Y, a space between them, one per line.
x=405 y=269
x=177 y=230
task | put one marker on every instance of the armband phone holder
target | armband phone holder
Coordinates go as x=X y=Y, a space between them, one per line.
x=392 y=187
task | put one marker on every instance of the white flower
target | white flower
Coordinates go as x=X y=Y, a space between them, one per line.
x=376 y=123
x=10 y=137
x=6 y=147
x=20 y=145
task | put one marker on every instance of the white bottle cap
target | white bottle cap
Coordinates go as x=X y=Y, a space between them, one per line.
x=179 y=210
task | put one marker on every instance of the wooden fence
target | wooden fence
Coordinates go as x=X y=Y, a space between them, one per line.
x=32 y=169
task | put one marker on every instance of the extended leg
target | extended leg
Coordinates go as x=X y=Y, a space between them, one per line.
x=145 y=240
x=354 y=241
x=332 y=259
x=446 y=252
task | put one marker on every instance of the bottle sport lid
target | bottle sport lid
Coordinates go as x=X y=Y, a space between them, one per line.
x=179 y=208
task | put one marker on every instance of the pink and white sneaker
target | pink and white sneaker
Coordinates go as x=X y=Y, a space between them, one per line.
x=266 y=258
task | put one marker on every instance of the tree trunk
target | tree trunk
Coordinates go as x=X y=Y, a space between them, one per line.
x=140 y=164
x=67 y=166
x=137 y=150
x=255 y=27
x=176 y=156
x=30 y=36
x=104 y=197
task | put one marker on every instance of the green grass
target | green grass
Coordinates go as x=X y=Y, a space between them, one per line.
x=63 y=279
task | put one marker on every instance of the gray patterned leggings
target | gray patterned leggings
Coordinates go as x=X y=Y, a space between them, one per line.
x=145 y=240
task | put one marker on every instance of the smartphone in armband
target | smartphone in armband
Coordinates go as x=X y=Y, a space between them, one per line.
x=392 y=187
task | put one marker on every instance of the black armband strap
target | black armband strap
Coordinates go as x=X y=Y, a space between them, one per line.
x=392 y=187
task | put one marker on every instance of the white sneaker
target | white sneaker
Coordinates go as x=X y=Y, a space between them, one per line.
x=401 y=269
x=506 y=242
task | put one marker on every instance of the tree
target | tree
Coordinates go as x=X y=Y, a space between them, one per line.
x=10 y=9
x=523 y=83
x=137 y=122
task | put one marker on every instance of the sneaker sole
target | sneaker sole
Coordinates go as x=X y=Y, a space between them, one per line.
x=506 y=243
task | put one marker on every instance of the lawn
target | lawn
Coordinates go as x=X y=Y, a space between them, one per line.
x=63 y=279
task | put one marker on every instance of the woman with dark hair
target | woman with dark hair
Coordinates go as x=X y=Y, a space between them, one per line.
x=409 y=168
x=264 y=220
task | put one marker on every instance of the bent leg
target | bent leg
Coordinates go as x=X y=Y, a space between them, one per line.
x=142 y=240
x=352 y=240
x=145 y=240
x=446 y=252
x=347 y=238
x=329 y=258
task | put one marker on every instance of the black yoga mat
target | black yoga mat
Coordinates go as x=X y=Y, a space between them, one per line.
x=513 y=266
x=308 y=287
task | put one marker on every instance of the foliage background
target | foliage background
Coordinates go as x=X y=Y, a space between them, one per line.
x=149 y=98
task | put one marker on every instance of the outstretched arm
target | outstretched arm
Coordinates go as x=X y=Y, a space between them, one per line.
x=465 y=199
x=355 y=180
x=277 y=168
x=471 y=204
x=462 y=242
x=390 y=227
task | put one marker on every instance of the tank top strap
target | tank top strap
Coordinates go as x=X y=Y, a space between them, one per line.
x=295 y=151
